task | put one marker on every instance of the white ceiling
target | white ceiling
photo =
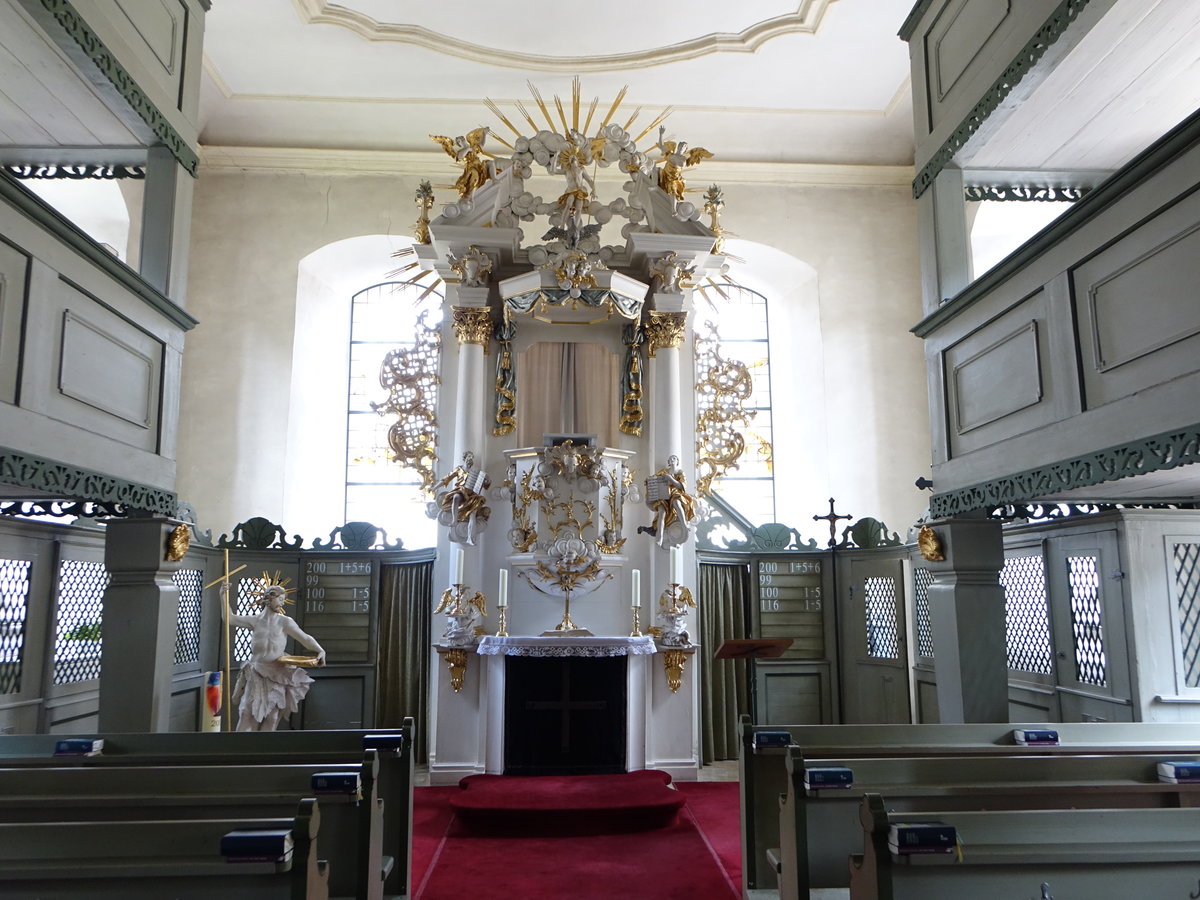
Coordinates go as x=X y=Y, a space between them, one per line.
x=760 y=80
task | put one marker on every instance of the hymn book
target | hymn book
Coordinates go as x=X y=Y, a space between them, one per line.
x=260 y=845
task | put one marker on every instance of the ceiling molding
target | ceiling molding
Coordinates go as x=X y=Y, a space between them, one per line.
x=806 y=20
x=433 y=165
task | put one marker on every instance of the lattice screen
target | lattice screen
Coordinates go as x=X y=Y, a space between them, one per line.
x=1187 y=584
x=14 y=604
x=187 y=624
x=883 y=635
x=247 y=605
x=922 y=579
x=1027 y=614
x=1090 y=661
x=81 y=587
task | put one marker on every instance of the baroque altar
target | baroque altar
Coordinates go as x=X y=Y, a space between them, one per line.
x=564 y=482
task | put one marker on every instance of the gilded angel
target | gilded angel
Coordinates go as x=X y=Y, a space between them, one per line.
x=468 y=151
x=675 y=158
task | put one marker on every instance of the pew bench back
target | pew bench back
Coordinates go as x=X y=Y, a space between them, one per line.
x=150 y=860
x=1098 y=854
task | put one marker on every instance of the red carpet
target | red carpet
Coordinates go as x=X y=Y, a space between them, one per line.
x=696 y=858
x=556 y=805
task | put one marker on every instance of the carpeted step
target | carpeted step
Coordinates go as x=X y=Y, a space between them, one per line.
x=568 y=804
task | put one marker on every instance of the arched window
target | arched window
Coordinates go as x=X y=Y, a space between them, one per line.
x=733 y=399
x=400 y=321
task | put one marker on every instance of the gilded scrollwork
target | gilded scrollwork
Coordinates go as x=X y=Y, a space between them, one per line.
x=632 y=412
x=523 y=536
x=504 y=418
x=423 y=197
x=722 y=388
x=664 y=331
x=472 y=325
x=610 y=540
x=410 y=376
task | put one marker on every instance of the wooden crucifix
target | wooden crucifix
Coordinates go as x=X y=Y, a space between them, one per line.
x=832 y=518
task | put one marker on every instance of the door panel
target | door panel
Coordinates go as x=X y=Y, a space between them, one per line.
x=1087 y=611
x=874 y=644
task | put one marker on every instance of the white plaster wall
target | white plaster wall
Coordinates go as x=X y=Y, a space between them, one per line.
x=250 y=232
x=864 y=445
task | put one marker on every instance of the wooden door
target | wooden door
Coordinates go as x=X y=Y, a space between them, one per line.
x=1087 y=612
x=874 y=643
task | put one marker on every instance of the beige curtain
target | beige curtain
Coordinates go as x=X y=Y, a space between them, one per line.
x=406 y=604
x=724 y=592
x=567 y=388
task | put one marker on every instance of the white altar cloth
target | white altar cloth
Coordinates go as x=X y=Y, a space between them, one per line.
x=493 y=645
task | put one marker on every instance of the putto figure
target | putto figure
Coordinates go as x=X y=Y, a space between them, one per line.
x=468 y=151
x=270 y=683
x=674 y=508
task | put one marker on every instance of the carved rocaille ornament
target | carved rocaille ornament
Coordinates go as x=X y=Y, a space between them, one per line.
x=472 y=325
x=178 y=542
x=930 y=544
x=664 y=331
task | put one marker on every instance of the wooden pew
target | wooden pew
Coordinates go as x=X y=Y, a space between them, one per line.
x=353 y=839
x=153 y=860
x=763 y=776
x=1008 y=855
x=395 y=781
x=819 y=829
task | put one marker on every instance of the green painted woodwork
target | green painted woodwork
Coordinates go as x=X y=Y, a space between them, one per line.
x=33 y=207
x=74 y=25
x=1153 y=454
x=63 y=480
x=1024 y=62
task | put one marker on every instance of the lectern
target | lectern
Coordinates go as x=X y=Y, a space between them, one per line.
x=751 y=649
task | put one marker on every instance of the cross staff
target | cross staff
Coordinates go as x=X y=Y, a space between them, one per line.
x=832 y=518
x=224 y=582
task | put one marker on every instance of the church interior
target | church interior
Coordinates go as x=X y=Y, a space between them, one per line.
x=587 y=392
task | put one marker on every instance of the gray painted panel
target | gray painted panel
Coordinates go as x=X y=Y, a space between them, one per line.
x=956 y=38
x=998 y=380
x=101 y=370
x=1139 y=323
x=1002 y=379
x=89 y=367
x=335 y=702
x=14 y=266
x=792 y=696
x=1138 y=310
x=160 y=25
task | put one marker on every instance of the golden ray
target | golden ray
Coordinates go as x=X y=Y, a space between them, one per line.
x=637 y=112
x=497 y=137
x=491 y=104
x=528 y=117
x=562 y=117
x=537 y=98
x=662 y=117
x=717 y=288
x=575 y=103
x=617 y=102
x=591 y=112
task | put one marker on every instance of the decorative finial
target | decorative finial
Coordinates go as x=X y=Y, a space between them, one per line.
x=424 y=200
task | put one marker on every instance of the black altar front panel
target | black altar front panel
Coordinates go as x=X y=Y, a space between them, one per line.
x=565 y=715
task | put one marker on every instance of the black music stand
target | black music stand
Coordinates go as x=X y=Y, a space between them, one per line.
x=752 y=649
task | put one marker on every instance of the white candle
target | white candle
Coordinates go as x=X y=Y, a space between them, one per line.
x=458 y=566
x=502 y=593
x=676 y=565
x=635 y=581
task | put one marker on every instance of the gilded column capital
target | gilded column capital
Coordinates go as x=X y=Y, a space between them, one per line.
x=664 y=331
x=472 y=325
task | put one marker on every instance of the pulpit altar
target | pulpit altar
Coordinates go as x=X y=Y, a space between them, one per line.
x=563 y=483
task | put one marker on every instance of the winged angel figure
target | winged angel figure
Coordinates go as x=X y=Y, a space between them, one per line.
x=675 y=158
x=468 y=151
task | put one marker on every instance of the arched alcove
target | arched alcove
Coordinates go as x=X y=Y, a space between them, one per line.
x=315 y=465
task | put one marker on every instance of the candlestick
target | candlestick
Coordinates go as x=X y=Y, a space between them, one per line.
x=502 y=593
x=635 y=581
x=458 y=566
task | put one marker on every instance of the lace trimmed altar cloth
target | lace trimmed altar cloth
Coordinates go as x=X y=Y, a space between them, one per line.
x=492 y=645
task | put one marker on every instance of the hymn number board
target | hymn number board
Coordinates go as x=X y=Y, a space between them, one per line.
x=792 y=594
x=339 y=603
